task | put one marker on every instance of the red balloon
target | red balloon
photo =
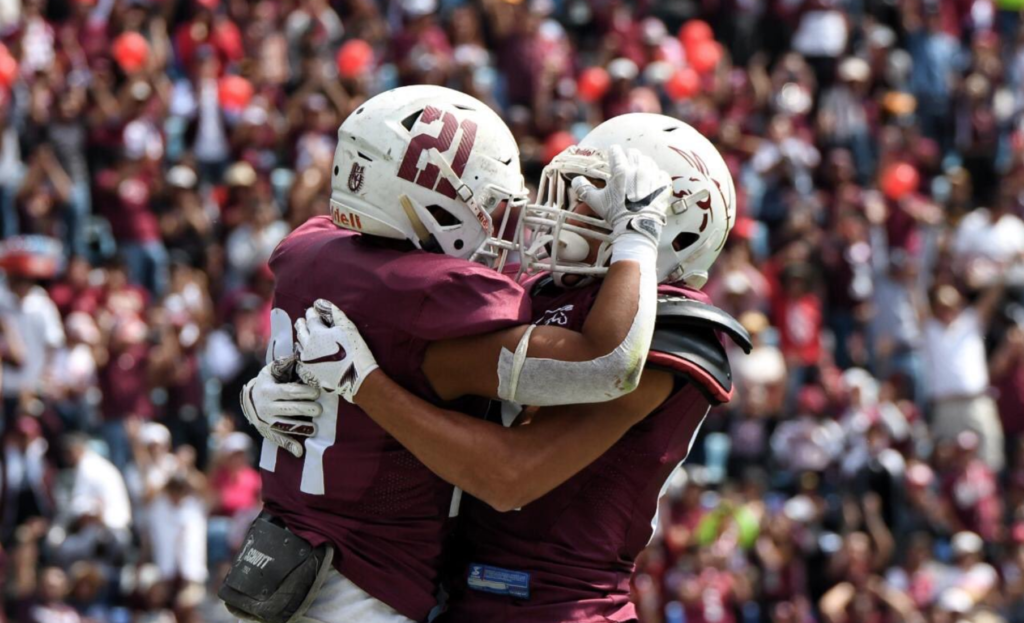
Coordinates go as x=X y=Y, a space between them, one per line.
x=684 y=84
x=8 y=68
x=704 y=55
x=695 y=31
x=228 y=39
x=354 y=58
x=556 y=144
x=899 y=180
x=234 y=92
x=131 y=51
x=593 y=83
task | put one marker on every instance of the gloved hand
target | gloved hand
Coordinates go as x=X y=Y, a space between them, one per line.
x=274 y=407
x=332 y=353
x=636 y=197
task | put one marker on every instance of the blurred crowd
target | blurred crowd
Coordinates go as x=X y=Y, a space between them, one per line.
x=871 y=468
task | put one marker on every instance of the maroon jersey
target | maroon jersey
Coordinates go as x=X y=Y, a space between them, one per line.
x=356 y=486
x=569 y=555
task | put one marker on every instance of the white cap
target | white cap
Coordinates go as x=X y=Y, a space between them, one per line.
x=240 y=174
x=736 y=282
x=652 y=30
x=142 y=139
x=799 y=509
x=658 y=72
x=966 y=543
x=955 y=600
x=419 y=8
x=152 y=433
x=235 y=442
x=623 y=69
x=854 y=69
x=881 y=37
x=181 y=176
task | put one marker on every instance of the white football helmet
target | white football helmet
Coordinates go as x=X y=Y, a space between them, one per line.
x=425 y=164
x=699 y=221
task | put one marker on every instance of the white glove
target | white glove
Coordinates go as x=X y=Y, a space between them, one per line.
x=275 y=407
x=332 y=353
x=636 y=197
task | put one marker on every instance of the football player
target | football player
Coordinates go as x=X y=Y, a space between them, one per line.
x=354 y=524
x=568 y=553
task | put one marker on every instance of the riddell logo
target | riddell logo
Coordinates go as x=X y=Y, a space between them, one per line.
x=347 y=220
x=481 y=216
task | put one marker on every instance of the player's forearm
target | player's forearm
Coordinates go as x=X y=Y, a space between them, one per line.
x=606 y=326
x=549 y=365
x=506 y=467
x=628 y=299
x=462 y=450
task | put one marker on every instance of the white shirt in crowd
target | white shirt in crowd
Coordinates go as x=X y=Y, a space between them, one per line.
x=38 y=323
x=98 y=484
x=821 y=33
x=211 y=140
x=177 y=533
x=978 y=237
x=954 y=357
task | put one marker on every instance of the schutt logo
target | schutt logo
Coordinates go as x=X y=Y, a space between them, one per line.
x=355 y=177
x=255 y=557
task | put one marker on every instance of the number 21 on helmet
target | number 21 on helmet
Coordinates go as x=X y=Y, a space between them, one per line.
x=429 y=165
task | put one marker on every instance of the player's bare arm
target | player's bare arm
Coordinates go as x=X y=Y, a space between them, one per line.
x=508 y=467
x=454 y=366
x=550 y=365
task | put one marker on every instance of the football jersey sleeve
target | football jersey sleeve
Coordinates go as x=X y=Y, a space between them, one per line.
x=469 y=300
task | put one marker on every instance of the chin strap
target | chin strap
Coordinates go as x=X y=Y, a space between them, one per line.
x=422 y=235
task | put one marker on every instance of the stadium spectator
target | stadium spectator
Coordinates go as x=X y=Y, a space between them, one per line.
x=957 y=368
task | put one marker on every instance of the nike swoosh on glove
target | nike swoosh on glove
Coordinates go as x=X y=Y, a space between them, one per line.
x=277 y=408
x=635 y=198
x=332 y=354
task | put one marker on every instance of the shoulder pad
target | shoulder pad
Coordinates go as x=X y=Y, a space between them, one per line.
x=677 y=311
x=686 y=344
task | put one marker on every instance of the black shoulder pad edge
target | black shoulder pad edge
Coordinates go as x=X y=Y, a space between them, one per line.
x=696 y=354
x=678 y=311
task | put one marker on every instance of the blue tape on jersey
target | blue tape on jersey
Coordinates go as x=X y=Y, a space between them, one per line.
x=499 y=581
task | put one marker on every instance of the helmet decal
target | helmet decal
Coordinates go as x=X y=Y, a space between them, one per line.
x=429 y=165
x=698 y=163
x=427 y=176
x=728 y=214
x=355 y=177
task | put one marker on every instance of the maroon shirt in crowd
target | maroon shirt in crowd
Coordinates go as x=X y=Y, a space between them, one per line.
x=127 y=206
x=974 y=492
x=124 y=383
x=385 y=513
x=1011 y=398
x=575 y=548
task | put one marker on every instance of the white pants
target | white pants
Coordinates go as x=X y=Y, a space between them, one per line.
x=340 y=601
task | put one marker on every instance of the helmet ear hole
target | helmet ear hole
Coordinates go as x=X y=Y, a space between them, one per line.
x=410 y=121
x=458 y=244
x=443 y=217
x=684 y=240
